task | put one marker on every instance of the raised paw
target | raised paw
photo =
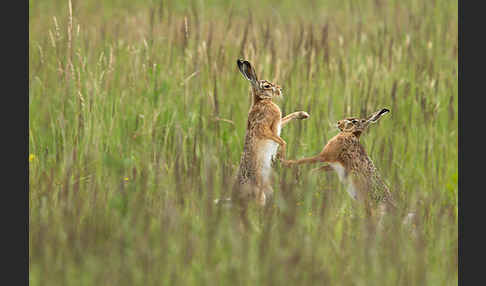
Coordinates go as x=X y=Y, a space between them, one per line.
x=303 y=115
x=287 y=163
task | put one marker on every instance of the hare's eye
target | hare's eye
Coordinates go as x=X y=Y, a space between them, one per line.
x=354 y=121
x=267 y=86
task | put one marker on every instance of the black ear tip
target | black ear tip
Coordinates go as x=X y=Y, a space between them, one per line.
x=384 y=110
x=242 y=61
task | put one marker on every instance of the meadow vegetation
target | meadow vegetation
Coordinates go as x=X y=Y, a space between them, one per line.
x=137 y=115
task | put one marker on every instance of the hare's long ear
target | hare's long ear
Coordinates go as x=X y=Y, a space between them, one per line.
x=248 y=72
x=377 y=115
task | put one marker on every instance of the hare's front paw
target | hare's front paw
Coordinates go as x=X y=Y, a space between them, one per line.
x=303 y=115
x=280 y=155
x=287 y=163
x=275 y=159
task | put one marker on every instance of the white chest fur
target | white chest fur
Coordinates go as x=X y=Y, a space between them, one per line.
x=266 y=154
x=350 y=188
x=339 y=170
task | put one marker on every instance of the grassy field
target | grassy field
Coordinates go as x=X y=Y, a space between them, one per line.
x=137 y=115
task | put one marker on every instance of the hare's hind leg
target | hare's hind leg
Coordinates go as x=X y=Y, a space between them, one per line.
x=240 y=196
x=261 y=197
x=263 y=192
x=380 y=215
x=268 y=191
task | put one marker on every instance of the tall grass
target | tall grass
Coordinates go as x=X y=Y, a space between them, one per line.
x=137 y=115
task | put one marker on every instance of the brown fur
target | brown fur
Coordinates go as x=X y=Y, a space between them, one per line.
x=359 y=172
x=262 y=133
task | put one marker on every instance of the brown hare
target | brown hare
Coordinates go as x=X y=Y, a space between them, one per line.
x=262 y=138
x=345 y=155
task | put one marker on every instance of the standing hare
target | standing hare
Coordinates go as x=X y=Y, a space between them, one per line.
x=345 y=155
x=262 y=138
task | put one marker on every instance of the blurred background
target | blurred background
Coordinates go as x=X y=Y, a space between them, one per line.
x=137 y=115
